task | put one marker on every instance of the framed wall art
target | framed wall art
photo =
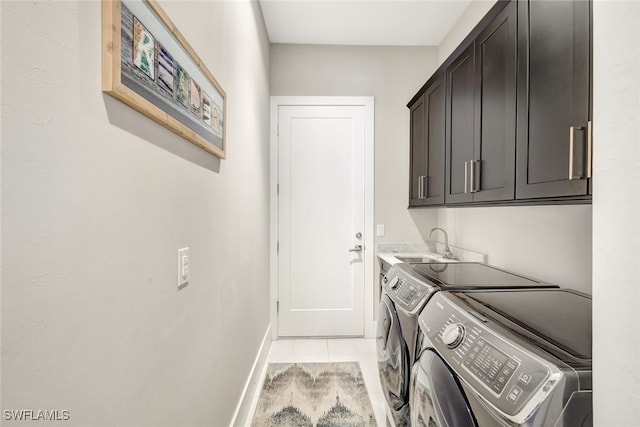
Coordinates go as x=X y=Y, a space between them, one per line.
x=149 y=65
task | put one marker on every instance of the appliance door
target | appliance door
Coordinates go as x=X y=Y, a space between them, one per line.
x=437 y=399
x=393 y=356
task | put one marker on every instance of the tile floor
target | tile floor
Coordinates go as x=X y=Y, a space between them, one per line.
x=331 y=350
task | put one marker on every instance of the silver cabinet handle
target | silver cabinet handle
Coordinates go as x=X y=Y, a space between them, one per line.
x=466 y=177
x=571 y=141
x=572 y=137
x=358 y=248
x=421 y=186
x=473 y=177
x=589 y=148
x=425 y=190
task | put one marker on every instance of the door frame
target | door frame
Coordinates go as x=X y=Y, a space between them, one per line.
x=369 y=159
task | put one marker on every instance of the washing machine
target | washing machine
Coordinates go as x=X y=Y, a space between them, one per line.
x=406 y=288
x=504 y=359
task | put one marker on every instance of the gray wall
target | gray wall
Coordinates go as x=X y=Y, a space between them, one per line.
x=551 y=243
x=392 y=75
x=469 y=19
x=96 y=201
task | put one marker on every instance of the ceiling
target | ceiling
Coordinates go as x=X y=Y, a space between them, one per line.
x=361 y=22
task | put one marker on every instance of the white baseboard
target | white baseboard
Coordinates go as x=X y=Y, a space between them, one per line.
x=241 y=415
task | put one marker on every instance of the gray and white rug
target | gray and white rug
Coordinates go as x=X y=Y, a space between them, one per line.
x=314 y=394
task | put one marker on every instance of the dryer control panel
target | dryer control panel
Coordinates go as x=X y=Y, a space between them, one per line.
x=507 y=375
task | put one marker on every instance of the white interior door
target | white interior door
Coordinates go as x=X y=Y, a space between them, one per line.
x=321 y=213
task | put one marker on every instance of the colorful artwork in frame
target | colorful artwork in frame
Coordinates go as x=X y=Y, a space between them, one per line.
x=149 y=65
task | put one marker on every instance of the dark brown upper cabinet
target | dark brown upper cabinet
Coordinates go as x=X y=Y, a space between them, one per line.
x=427 y=146
x=554 y=109
x=517 y=111
x=481 y=115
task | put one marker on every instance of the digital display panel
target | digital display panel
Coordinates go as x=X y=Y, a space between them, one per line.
x=490 y=365
x=489 y=361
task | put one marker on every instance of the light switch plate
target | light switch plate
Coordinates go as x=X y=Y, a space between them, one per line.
x=380 y=230
x=184 y=267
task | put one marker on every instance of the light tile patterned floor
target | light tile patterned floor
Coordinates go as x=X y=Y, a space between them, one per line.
x=331 y=350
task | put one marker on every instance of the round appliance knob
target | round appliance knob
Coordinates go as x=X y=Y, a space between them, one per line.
x=453 y=335
x=394 y=282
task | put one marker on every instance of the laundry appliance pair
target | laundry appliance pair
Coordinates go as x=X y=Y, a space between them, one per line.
x=461 y=369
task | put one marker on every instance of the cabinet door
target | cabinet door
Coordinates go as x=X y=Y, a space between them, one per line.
x=495 y=112
x=435 y=142
x=417 y=164
x=553 y=96
x=426 y=186
x=460 y=126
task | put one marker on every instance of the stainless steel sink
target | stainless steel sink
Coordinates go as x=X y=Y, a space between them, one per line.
x=412 y=259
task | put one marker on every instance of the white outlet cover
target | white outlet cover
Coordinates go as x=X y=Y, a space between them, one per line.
x=184 y=266
x=380 y=230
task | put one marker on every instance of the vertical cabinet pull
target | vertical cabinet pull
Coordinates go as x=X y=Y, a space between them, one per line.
x=589 y=148
x=423 y=188
x=473 y=177
x=572 y=140
x=466 y=177
x=420 y=189
x=470 y=176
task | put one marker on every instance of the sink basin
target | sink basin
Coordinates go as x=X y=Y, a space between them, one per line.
x=421 y=259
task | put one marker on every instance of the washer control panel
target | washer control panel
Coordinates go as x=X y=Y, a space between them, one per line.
x=506 y=374
x=406 y=290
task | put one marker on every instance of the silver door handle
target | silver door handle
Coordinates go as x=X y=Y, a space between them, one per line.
x=358 y=248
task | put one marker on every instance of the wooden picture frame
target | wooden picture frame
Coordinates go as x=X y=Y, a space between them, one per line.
x=149 y=65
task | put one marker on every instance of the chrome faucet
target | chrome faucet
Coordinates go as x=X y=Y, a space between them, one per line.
x=447 y=250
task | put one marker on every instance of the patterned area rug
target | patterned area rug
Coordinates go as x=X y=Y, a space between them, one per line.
x=314 y=394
